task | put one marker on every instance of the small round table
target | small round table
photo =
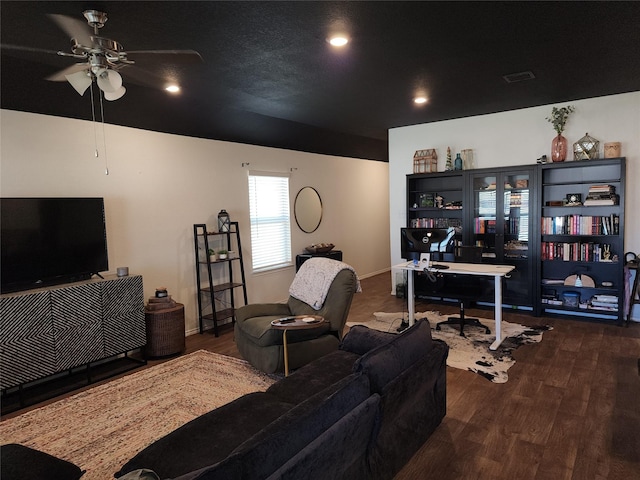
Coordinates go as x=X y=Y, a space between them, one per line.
x=299 y=322
x=165 y=331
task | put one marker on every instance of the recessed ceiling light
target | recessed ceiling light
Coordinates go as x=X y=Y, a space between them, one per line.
x=420 y=100
x=173 y=88
x=338 y=40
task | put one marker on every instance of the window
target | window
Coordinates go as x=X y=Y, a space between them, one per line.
x=270 y=220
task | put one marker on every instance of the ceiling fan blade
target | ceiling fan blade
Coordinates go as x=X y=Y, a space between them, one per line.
x=164 y=56
x=74 y=28
x=136 y=75
x=61 y=75
x=9 y=49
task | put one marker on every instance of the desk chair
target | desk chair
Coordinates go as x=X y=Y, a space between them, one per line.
x=465 y=288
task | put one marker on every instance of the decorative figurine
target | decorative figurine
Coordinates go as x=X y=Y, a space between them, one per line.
x=449 y=165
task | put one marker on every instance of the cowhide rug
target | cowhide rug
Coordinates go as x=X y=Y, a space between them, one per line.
x=471 y=352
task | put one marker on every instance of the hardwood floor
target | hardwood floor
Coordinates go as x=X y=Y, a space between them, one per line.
x=570 y=410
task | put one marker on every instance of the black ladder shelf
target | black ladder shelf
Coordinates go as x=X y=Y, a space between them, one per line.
x=222 y=269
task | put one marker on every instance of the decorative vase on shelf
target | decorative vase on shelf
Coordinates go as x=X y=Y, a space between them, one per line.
x=559 y=148
x=458 y=162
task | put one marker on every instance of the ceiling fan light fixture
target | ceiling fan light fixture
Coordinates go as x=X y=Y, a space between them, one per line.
x=172 y=88
x=80 y=81
x=111 y=96
x=420 y=100
x=109 y=81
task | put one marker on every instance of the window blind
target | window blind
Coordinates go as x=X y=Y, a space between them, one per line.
x=270 y=220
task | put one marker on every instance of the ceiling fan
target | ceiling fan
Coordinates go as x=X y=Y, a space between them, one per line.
x=103 y=59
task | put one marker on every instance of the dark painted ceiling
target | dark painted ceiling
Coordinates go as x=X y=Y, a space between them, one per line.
x=269 y=77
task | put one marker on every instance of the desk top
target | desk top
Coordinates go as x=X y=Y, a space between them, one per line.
x=486 y=269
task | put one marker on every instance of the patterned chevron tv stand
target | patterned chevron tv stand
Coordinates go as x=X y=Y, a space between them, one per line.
x=63 y=328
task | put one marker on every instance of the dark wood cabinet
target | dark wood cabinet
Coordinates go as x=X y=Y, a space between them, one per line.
x=583 y=239
x=436 y=200
x=492 y=208
x=501 y=219
x=303 y=257
x=556 y=222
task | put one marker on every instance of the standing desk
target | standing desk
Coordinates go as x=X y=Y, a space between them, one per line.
x=459 y=268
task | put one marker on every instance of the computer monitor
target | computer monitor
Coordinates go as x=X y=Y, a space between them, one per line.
x=414 y=241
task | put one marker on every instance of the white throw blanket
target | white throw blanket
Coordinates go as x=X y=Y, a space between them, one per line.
x=314 y=278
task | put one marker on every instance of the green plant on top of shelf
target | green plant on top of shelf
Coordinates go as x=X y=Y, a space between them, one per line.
x=559 y=117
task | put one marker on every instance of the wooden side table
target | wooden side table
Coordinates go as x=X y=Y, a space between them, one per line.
x=300 y=322
x=303 y=257
x=165 y=331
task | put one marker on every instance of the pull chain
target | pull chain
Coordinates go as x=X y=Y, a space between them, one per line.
x=93 y=118
x=104 y=136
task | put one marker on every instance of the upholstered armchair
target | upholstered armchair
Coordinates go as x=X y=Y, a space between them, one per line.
x=262 y=345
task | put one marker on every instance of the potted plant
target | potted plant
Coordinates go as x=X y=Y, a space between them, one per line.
x=212 y=255
x=222 y=254
x=558 y=119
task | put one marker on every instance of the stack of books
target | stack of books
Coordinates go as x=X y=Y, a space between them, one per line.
x=601 y=195
x=604 y=302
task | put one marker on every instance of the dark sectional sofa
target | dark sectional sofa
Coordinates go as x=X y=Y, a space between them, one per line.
x=357 y=413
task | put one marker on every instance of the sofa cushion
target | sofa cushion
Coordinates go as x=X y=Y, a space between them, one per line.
x=209 y=438
x=19 y=462
x=384 y=363
x=314 y=377
x=360 y=339
x=338 y=453
x=414 y=404
x=270 y=448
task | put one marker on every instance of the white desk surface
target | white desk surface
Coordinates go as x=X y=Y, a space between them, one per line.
x=486 y=269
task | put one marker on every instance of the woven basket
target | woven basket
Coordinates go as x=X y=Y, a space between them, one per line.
x=165 y=331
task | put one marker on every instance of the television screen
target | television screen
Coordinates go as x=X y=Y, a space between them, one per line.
x=414 y=241
x=46 y=241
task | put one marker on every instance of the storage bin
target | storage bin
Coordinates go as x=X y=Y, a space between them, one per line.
x=571 y=299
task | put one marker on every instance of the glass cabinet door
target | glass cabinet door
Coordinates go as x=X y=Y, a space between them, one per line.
x=502 y=224
x=485 y=214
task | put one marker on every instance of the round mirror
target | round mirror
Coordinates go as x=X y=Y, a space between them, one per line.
x=308 y=209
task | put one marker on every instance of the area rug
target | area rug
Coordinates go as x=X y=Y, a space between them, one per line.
x=471 y=352
x=103 y=427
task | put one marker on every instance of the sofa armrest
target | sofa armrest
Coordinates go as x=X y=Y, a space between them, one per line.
x=262 y=310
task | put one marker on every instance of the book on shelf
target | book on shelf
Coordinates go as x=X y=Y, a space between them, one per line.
x=590 y=201
x=601 y=195
x=581 y=225
x=602 y=188
x=604 y=302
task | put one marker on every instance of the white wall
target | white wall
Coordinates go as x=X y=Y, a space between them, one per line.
x=519 y=137
x=160 y=185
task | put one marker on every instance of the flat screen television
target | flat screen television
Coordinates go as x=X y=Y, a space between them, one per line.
x=48 y=241
x=414 y=241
